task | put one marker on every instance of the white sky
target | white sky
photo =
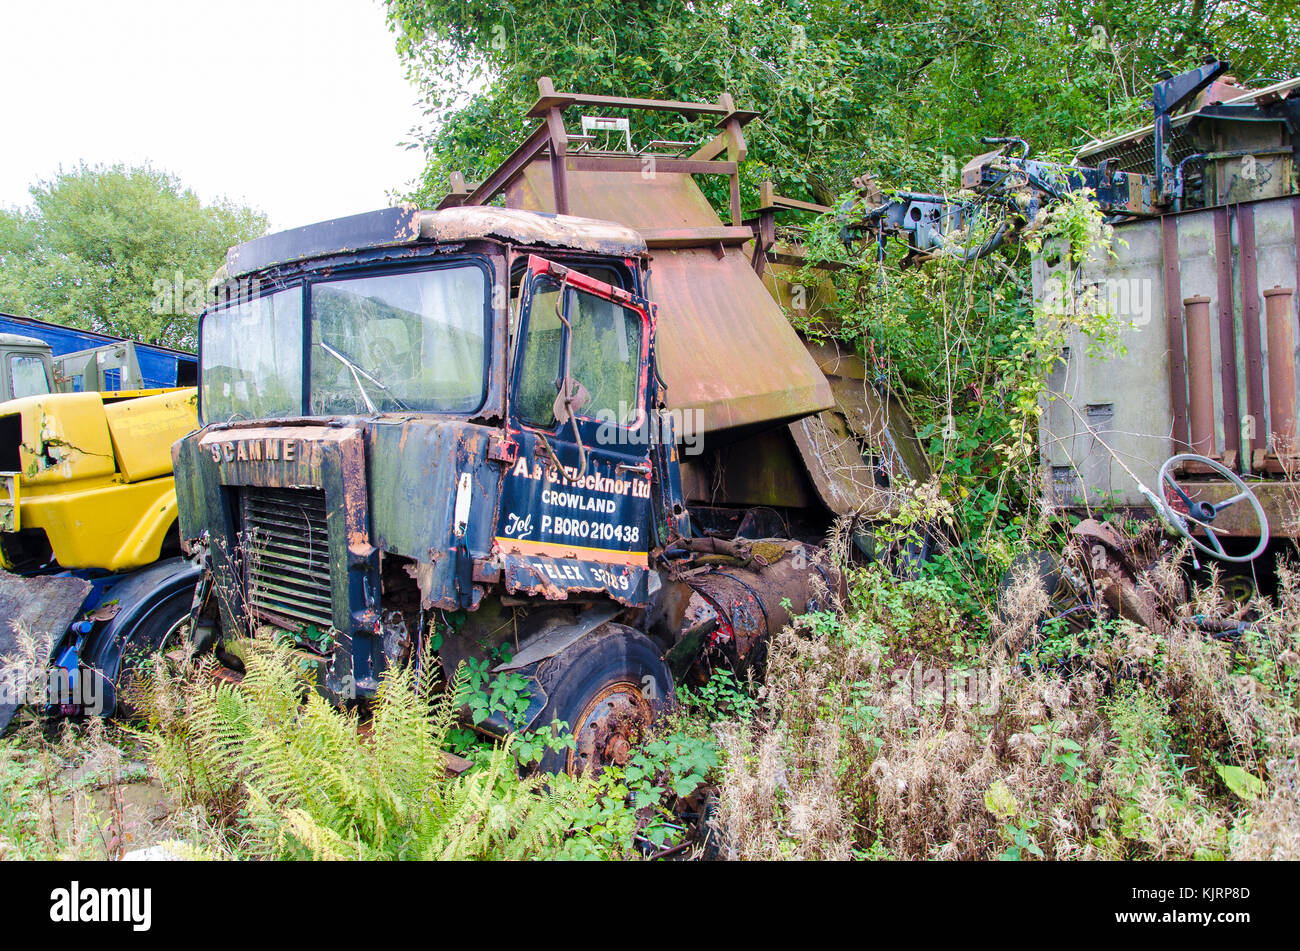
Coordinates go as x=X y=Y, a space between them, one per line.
x=295 y=107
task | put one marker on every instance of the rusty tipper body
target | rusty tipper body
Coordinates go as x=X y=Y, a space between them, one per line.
x=450 y=425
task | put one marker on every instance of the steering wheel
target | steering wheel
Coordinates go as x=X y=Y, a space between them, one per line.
x=1203 y=513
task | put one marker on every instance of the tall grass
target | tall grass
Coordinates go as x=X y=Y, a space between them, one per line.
x=886 y=732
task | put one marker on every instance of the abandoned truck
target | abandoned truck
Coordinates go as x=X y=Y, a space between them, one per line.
x=87 y=508
x=451 y=424
x=470 y=427
x=1203 y=273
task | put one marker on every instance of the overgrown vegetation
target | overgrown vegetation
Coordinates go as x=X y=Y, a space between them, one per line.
x=883 y=735
x=903 y=89
x=269 y=769
x=928 y=717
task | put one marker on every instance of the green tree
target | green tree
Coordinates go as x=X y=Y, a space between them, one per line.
x=124 y=251
x=901 y=88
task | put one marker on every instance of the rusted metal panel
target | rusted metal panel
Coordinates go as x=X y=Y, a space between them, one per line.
x=644 y=202
x=1174 y=325
x=1227 y=333
x=720 y=335
x=1136 y=385
x=1251 y=330
x=856 y=451
x=415 y=465
x=1281 y=372
x=42 y=608
x=280 y=456
x=1200 y=375
x=521 y=227
x=390 y=226
x=558 y=579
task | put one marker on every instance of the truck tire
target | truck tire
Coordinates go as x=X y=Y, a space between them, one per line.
x=157 y=631
x=608 y=687
x=153 y=605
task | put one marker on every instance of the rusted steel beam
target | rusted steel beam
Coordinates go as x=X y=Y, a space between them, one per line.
x=585 y=162
x=512 y=167
x=1227 y=335
x=457 y=193
x=1200 y=375
x=550 y=99
x=764 y=230
x=667 y=238
x=712 y=148
x=735 y=155
x=796 y=205
x=1281 y=371
x=559 y=149
x=1174 y=327
x=1251 y=330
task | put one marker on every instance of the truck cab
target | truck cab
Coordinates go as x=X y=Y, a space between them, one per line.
x=450 y=425
x=26 y=367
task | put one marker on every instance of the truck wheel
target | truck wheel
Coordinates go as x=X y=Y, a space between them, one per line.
x=159 y=630
x=608 y=687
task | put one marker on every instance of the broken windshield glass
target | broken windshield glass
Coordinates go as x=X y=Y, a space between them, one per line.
x=393 y=342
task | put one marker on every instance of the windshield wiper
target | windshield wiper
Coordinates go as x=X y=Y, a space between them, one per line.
x=359 y=370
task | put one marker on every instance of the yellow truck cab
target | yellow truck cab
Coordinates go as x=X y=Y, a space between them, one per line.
x=88 y=508
x=88 y=478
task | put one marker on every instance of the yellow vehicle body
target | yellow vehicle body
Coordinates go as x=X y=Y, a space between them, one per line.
x=93 y=472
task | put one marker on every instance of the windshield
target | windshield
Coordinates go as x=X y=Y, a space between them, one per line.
x=27 y=373
x=252 y=358
x=410 y=341
x=386 y=343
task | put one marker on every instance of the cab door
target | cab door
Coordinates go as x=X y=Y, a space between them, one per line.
x=575 y=509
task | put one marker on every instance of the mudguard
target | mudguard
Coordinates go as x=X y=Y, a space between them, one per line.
x=137 y=596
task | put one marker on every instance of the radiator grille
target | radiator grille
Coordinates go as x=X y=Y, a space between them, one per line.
x=288 y=567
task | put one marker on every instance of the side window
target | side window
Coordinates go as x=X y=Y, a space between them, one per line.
x=28 y=376
x=605 y=355
x=539 y=377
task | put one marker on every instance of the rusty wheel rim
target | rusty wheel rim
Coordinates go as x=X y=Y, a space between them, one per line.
x=609 y=728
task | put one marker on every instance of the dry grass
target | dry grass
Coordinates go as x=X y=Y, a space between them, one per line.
x=872 y=743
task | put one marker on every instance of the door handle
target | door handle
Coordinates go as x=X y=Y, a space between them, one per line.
x=641 y=468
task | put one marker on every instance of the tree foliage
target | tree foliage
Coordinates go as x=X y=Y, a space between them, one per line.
x=901 y=88
x=99 y=243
